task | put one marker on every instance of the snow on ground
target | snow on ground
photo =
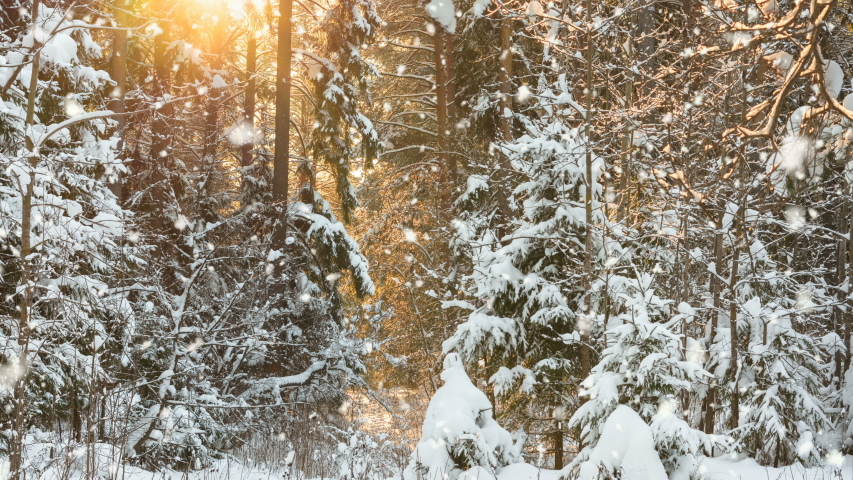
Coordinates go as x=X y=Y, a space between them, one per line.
x=49 y=461
x=624 y=446
x=727 y=468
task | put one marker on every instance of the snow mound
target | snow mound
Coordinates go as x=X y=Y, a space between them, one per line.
x=729 y=467
x=626 y=444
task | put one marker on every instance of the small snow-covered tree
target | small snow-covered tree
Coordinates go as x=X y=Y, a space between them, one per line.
x=644 y=367
x=626 y=449
x=61 y=227
x=525 y=284
x=784 y=418
x=459 y=432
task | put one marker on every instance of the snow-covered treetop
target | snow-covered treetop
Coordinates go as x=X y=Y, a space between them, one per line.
x=444 y=14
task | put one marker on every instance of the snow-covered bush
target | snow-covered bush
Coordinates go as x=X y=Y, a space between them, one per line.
x=459 y=432
x=626 y=450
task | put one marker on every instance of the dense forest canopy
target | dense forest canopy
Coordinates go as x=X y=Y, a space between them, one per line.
x=426 y=240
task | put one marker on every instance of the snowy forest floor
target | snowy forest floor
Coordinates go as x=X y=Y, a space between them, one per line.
x=58 y=464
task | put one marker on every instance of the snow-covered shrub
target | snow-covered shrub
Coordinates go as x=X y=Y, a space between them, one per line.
x=626 y=450
x=459 y=432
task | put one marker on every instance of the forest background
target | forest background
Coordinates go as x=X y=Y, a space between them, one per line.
x=255 y=229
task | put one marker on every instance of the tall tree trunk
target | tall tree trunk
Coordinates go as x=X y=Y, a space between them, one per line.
x=590 y=93
x=848 y=319
x=558 y=445
x=160 y=179
x=210 y=141
x=505 y=78
x=734 y=368
x=450 y=75
x=627 y=142
x=281 y=159
x=841 y=278
x=505 y=123
x=646 y=42
x=16 y=443
x=159 y=157
x=450 y=101
x=710 y=404
x=246 y=158
x=441 y=102
x=685 y=297
x=118 y=73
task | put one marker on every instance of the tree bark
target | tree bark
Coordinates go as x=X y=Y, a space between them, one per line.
x=505 y=78
x=712 y=330
x=558 y=446
x=450 y=75
x=246 y=157
x=848 y=319
x=504 y=123
x=118 y=73
x=841 y=278
x=281 y=159
x=16 y=443
x=210 y=145
x=441 y=101
x=590 y=93
x=646 y=43
x=733 y=364
x=159 y=157
x=627 y=141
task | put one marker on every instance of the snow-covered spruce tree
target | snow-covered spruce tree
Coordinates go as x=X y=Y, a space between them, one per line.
x=62 y=228
x=643 y=366
x=232 y=340
x=783 y=418
x=459 y=432
x=529 y=316
x=338 y=80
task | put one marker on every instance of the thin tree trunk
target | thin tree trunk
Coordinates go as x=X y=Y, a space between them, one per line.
x=712 y=330
x=160 y=154
x=733 y=279
x=450 y=101
x=505 y=123
x=118 y=73
x=246 y=158
x=627 y=141
x=16 y=443
x=646 y=43
x=685 y=297
x=848 y=324
x=585 y=332
x=281 y=159
x=841 y=274
x=505 y=77
x=211 y=126
x=450 y=75
x=558 y=446
x=441 y=101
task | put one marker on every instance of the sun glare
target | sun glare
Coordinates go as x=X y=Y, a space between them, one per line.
x=236 y=8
